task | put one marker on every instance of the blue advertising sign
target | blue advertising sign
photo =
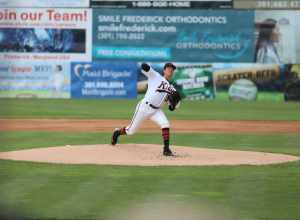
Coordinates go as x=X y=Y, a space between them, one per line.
x=176 y=35
x=104 y=80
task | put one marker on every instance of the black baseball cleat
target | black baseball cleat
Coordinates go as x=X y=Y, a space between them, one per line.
x=168 y=153
x=115 y=135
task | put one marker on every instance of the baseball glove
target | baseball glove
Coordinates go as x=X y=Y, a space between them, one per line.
x=174 y=100
x=145 y=67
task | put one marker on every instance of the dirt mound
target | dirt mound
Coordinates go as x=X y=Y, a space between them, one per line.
x=144 y=155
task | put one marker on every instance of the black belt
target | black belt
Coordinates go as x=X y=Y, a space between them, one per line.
x=152 y=106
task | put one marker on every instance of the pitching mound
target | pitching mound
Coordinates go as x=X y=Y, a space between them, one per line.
x=144 y=155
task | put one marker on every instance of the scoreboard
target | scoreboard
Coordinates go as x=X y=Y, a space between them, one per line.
x=162 y=4
x=267 y=4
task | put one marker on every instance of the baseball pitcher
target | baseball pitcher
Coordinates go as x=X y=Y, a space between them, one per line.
x=159 y=91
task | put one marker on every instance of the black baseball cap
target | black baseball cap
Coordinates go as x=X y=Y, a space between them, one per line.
x=170 y=65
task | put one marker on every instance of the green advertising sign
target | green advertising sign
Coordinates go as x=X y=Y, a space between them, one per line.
x=194 y=82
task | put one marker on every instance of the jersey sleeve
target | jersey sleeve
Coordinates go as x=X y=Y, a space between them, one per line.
x=151 y=73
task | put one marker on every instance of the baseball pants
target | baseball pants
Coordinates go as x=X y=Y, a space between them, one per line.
x=144 y=111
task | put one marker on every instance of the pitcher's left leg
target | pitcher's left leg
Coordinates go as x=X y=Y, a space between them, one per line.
x=140 y=115
x=160 y=118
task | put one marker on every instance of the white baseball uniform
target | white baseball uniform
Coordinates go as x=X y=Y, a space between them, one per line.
x=149 y=106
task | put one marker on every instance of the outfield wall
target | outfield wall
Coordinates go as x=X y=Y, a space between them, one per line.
x=57 y=52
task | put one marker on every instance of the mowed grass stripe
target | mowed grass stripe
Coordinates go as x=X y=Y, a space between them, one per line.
x=74 y=191
x=123 y=109
x=16 y=191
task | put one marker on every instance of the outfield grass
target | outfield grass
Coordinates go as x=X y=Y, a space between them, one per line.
x=123 y=109
x=97 y=192
x=261 y=96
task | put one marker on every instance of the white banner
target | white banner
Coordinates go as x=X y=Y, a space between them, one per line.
x=45 y=34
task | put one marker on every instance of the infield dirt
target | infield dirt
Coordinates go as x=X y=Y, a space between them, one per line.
x=179 y=126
